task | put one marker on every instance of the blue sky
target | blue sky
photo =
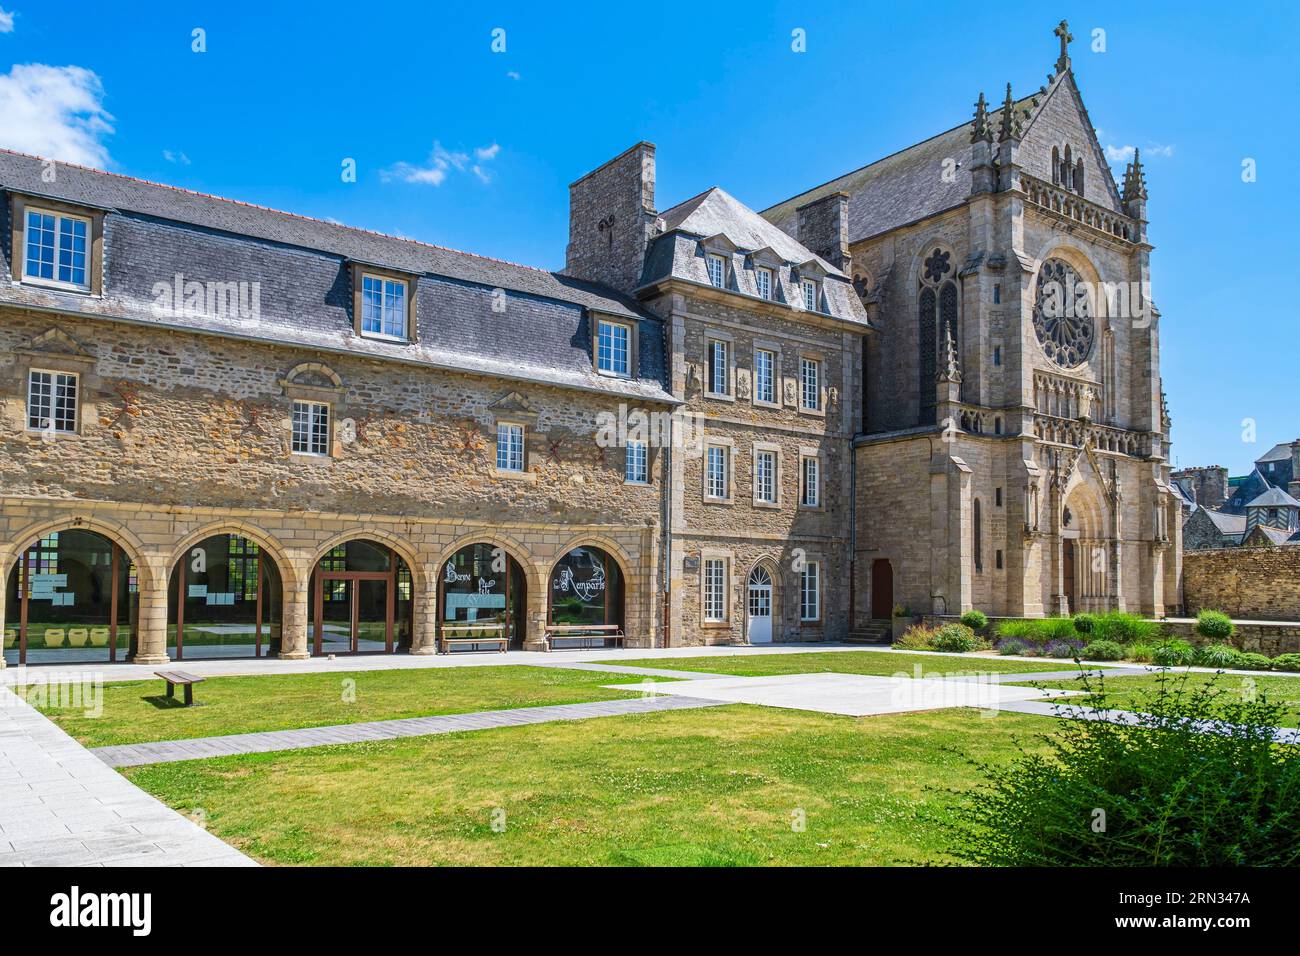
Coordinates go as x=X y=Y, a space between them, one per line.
x=459 y=145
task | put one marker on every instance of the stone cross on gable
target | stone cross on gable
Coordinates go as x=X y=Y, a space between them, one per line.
x=1063 y=32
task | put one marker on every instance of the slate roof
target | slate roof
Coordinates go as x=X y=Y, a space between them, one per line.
x=1280 y=452
x=1244 y=490
x=1227 y=523
x=676 y=253
x=902 y=187
x=1274 y=498
x=154 y=230
x=1275 y=535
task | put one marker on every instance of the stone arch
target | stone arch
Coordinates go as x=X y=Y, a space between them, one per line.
x=405 y=550
x=301 y=374
x=534 y=572
x=604 y=542
x=144 y=559
x=289 y=574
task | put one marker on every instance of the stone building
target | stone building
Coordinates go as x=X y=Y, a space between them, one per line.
x=230 y=430
x=1014 y=449
x=1225 y=512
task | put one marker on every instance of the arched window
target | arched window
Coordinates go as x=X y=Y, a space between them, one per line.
x=586 y=588
x=936 y=300
x=224 y=599
x=979 y=538
x=928 y=346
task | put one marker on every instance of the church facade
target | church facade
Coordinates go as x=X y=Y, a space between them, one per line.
x=931 y=384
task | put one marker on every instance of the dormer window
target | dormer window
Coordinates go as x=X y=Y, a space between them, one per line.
x=717 y=270
x=810 y=296
x=613 y=349
x=56 y=249
x=383 y=307
x=763 y=281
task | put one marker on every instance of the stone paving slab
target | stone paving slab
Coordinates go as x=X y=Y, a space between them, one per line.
x=855 y=695
x=131 y=755
x=59 y=806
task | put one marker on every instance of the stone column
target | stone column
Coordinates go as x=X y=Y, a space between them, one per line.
x=424 y=637
x=151 y=628
x=4 y=590
x=293 y=627
x=535 y=636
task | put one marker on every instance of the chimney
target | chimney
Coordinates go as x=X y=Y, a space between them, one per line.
x=612 y=220
x=823 y=226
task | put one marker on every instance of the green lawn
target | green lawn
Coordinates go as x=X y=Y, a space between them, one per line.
x=138 y=711
x=710 y=787
x=882 y=663
x=1128 y=693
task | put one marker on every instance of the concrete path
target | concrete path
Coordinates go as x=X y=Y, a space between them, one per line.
x=59 y=806
x=854 y=695
x=170 y=751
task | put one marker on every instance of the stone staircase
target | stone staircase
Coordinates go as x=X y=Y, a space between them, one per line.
x=873 y=632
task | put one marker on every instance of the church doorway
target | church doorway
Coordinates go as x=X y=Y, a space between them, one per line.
x=1067 y=569
x=882 y=589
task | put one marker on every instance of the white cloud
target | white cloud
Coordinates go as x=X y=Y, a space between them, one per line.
x=54 y=111
x=513 y=74
x=172 y=157
x=1124 y=154
x=442 y=163
x=6 y=21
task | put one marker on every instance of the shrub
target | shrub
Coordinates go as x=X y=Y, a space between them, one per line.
x=1027 y=631
x=1103 y=651
x=1058 y=629
x=1083 y=623
x=1215 y=625
x=1254 y=662
x=916 y=638
x=1173 y=653
x=975 y=620
x=955 y=637
x=1141 y=653
x=1014 y=645
x=1286 y=662
x=902 y=611
x=1062 y=649
x=1173 y=796
x=1217 y=655
x=1126 y=628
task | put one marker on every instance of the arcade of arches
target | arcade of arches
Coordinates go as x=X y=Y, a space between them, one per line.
x=92 y=592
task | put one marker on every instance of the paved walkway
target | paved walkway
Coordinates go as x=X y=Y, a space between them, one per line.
x=62 y=807
x=170 y=751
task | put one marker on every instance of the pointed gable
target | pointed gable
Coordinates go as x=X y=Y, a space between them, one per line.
x=1060 y=120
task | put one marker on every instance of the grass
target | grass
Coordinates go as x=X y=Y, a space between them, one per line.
x=881 y=663
x=138 y=711
x=723 y=786
x=1129 y=692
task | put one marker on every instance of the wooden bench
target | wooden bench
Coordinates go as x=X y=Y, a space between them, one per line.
x=584 y=633
x=181 y=679
x=451 y=634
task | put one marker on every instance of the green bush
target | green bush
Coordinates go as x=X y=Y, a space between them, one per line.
x=1103 y=651
x=1215 y=625
x=1172 y=795
x=1141 y=653
x=1217 y=655
x=1020 y=629
x=1084 y=623
x=975 y=620
x=1125 y=628
x=955 y=637
x=1173 y=653
x=1058 y=629
x=1254 y=662
x=1286 y=662
x=916 y=638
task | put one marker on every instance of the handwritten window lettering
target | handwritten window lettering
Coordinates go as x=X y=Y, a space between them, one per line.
x=586 y=588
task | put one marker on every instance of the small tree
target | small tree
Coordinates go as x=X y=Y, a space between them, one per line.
x=1215 y=626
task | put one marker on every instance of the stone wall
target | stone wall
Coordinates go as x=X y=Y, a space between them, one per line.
x=1250 y=583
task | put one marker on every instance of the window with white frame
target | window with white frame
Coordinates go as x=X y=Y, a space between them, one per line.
x=810 y=478
x=52 y=401
x=638 y=470
x=56 y=249
x=510 y=447
x=311 y=428
x=810 y=596
x=719 y=367
x=612 y=347
x=809 y=294
x=765 y=376
x=715 y=471
x=763 y=280
x=715 y=589
x=717 y=270
x=383 y=307
x=765 y=476
x=810 y=378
